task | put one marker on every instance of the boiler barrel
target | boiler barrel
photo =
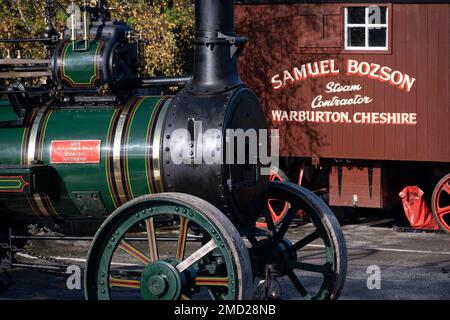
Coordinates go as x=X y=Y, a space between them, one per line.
x=94 y=159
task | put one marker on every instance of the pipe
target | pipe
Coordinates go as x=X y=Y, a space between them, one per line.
x=215 y=45
x=166 y=81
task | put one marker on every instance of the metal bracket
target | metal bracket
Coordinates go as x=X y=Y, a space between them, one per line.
x=370 y=174
x=237 y=43
x=89 y=203
x=195 y=128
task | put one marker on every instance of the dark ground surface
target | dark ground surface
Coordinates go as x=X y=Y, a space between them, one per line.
x=412 y=265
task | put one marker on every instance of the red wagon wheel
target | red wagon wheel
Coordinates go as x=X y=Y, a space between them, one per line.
x=441 y=203
x=277 y=209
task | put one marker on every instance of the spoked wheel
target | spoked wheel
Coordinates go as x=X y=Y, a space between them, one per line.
x=313 y=263
x=139 y=254
x=440 y=203
x=277 y=209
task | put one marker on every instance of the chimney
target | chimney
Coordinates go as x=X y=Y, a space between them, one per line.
x=216 y=48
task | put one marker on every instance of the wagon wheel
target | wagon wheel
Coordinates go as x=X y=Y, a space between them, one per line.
x=314 y=265
x=277 y=209
x=440 y=203
x=138 y=254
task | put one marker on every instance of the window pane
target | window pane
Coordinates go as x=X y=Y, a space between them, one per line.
x=377 y=15
x=356 y=15
x=356 y=37
x=377 y=37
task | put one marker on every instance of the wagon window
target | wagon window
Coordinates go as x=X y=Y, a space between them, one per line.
x=366 y=28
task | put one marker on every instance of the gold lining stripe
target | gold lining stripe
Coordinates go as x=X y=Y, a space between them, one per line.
x=117 y=151
x=130 y=125
x=33 y=136
x=31 y=157
x=156 y=146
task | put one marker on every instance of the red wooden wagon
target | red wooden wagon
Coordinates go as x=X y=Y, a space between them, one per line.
x=360 y=93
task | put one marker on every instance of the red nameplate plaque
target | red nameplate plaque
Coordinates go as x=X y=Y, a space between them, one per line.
x=75 y=151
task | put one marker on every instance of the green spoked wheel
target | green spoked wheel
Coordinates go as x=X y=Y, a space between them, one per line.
x=312 y=264
x=168 y=246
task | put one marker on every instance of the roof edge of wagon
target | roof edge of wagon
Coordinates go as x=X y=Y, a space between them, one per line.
x=340 y=1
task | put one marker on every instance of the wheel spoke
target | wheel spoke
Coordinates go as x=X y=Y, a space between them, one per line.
x=270 y=223
x=323 y=269
x=181 y=246
x=443 y=211
x=151 y=236
x=290 y=215
x=128 y=248
x=446 y=187
x=300 y=288
x=197 y=255
x=306 y=240
x=124 y=283
x=211 y=281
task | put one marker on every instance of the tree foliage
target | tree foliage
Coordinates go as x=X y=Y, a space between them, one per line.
x=167 y=25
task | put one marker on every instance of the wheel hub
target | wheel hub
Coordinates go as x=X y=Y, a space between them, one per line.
x=157 y=285
x=161 y=281
x=270 y=252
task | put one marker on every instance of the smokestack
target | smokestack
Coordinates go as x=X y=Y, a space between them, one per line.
x=216 y=48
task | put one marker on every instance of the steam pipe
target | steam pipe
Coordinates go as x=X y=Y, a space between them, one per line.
x=166 y=81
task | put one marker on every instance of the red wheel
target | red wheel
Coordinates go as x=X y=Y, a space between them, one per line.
x=277 y=209
x=440 y=204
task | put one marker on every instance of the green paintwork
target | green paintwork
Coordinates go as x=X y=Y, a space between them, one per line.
x=140 y=121
x=74 y=180
x=79 y=67
x=10 y=139
x=6 y=111
x=159 y=208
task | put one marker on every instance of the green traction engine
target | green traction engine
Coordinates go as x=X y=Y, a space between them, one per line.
x=94 y=147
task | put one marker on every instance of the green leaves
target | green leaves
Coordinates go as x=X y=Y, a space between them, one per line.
x=167 y=27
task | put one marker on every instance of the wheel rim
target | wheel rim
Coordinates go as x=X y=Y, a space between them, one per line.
x=315 y=264
x=277 y=209
x=441 y=203
x=187 y=268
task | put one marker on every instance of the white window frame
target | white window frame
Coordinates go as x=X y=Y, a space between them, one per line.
x=366 y=25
